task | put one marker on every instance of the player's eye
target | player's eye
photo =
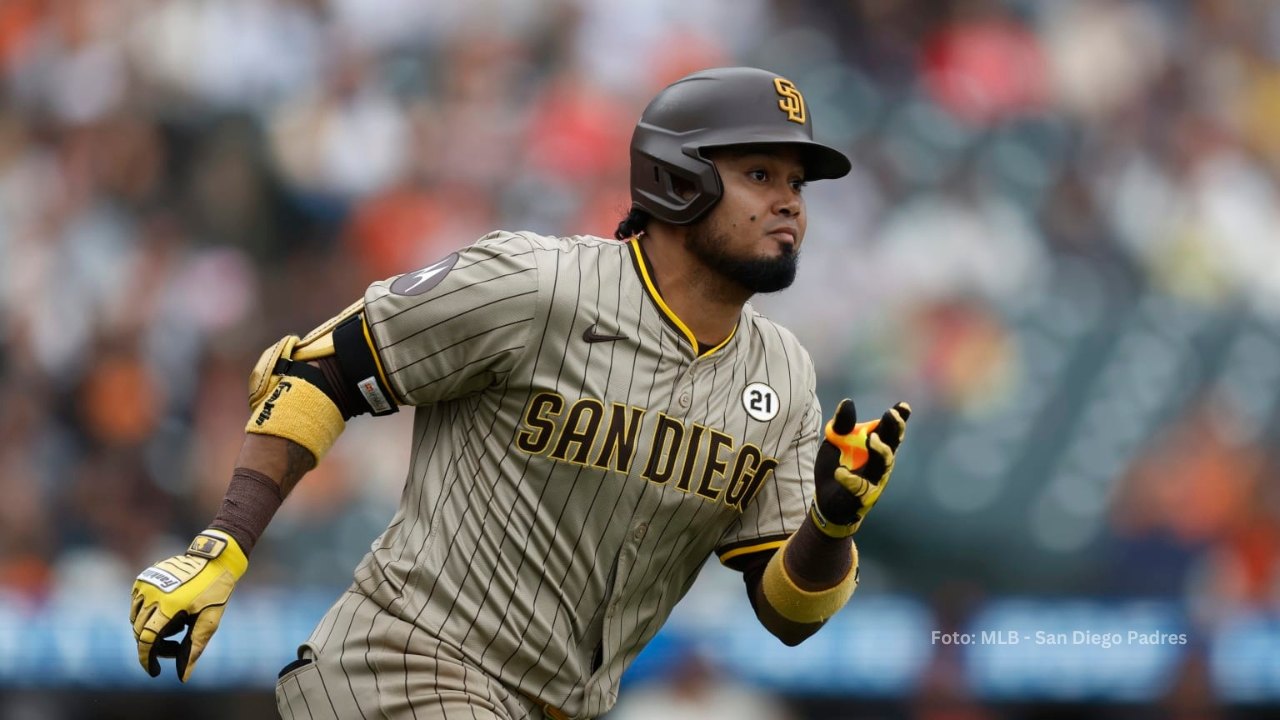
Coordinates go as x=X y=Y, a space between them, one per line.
x=759 y=175
x=799 y=185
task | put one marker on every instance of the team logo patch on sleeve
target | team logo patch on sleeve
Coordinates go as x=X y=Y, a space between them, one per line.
x=416 y=283
x=760 y=401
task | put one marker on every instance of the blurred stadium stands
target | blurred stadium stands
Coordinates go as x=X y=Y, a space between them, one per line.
x=1060 y=242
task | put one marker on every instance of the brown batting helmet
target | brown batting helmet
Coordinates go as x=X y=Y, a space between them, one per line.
x=721 y=107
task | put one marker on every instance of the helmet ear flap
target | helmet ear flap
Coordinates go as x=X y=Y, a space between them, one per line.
x=663 y=174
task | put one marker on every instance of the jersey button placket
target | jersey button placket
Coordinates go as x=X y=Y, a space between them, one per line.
x=685 y=398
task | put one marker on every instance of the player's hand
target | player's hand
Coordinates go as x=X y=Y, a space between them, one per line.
x=185 y=592
x=853 y=466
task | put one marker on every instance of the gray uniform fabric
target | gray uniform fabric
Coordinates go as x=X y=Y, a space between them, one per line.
x=575 y=462
x=363 y=670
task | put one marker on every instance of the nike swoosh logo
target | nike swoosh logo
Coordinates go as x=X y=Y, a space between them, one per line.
x=591 y=336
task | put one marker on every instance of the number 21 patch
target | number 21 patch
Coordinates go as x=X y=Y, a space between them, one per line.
x=760 y=401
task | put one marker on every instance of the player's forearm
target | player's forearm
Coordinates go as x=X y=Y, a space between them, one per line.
x=284 y=461
x=815 y=571
x=295 y=419
x=267 y=470
x=816 y=563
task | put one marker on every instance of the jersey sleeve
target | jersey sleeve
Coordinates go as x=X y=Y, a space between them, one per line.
x=457 y=326
x=782 y=504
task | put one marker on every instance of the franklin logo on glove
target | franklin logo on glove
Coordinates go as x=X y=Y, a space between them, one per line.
x=161 y=579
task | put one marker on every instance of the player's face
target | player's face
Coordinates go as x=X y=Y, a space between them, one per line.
x=752 y=236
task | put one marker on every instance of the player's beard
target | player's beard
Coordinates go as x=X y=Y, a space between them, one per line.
x=754 y=274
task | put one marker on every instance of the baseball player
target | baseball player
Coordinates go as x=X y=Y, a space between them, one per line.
x=593 y=420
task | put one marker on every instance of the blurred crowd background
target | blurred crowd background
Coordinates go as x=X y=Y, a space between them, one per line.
x=1060 y=242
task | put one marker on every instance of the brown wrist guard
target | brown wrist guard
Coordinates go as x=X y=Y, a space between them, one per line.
x=251 y=501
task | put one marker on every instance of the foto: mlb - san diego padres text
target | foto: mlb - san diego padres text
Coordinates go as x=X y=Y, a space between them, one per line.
x=1041 y=637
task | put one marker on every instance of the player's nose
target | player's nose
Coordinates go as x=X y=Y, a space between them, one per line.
x=789 y=204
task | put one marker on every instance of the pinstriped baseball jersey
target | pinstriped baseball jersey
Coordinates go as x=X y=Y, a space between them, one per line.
x=575 y=459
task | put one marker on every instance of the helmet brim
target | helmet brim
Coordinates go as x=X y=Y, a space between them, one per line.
x=821 y=162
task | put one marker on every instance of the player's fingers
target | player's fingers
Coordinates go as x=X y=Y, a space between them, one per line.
x=904 y=410
x=152 y=664
x=196 y=641
x=141 y=618
x=158 y=646
x=160 y=625
x=893 y=425
x=845 y=418
x=166 y=649
x=182 y=655
x=878 y=448
x=146 y=658
x=162 y=649
x=857 y=485
x=136 y=607
x=879 y=458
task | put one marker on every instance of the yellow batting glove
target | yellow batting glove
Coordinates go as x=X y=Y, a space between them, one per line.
x=186 y=591
x=853 y=466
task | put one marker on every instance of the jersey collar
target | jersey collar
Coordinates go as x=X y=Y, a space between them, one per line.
x=651 y=287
